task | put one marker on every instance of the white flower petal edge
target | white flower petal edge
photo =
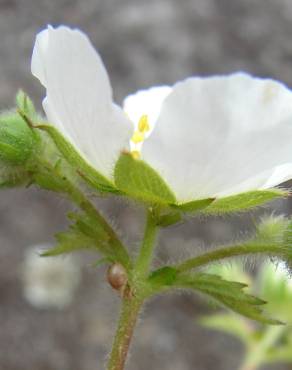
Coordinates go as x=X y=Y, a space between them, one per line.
x=79 y=96
x=222 y=135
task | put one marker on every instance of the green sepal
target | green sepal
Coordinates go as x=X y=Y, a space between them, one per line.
x=138 y=180
x=227 y=293
x=80 y=165
x=194 y=206
x=244 y=201
x=168 y=219
x=68 y=242
x=17 y=140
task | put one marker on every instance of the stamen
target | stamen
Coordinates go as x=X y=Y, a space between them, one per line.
x=143 y=125
x=138 y=137
x=135 y=154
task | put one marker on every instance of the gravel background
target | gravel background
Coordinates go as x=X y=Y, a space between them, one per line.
x=143 y=43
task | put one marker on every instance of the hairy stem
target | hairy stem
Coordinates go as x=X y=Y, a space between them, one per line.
x=133 y=302
x=219 y=254
x=146 y=252
x=128 y=318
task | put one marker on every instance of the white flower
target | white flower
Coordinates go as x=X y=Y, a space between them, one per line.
x=206 y=137
x=49 y=282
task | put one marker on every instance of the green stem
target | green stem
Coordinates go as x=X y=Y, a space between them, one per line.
x=133 y=302
x=124 y=333
x=256 y=353
x=146 y=252
x=219 y=254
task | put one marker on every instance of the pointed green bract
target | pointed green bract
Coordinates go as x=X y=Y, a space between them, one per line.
x=25 y=105
x=244 y=201
x=138 y=180
x=84 y=169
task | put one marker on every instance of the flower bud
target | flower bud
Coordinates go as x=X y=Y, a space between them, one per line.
x=17 y=139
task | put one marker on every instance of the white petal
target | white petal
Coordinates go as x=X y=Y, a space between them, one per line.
x=79 y=96
x=223 y=135
x=146 y=102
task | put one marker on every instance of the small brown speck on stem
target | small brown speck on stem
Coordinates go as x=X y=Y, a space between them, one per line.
x=117 y=277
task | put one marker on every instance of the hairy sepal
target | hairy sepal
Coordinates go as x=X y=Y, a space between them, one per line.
x=194 y=206
x=80 y=165
x=139 y=181
x=243 y=202
x=18 y=142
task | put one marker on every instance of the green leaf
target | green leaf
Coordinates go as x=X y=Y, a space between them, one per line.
x=230 y=324
x=163 y=277
x=138 y=180
x=194 y=206
x=244 y=201
x=68 y=242
x=228 y=293
x=81 y=166
x=88 y=226
x=84 y=233
x=215 y=284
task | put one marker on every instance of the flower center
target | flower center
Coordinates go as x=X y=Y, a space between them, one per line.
x=139 y=136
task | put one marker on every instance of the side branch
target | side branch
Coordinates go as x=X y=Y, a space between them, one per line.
x=228 y=252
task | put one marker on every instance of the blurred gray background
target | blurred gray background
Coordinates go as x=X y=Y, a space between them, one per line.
x=142 y=43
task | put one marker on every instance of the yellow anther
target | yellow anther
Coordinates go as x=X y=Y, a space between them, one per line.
x=143 y=125
x=137 y=137
x=135 y=154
